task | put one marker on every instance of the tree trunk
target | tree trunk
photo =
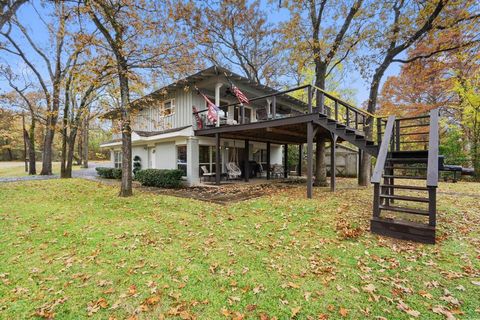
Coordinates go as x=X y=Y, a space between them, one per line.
x=320 y=168
x=63 y=160
x=364 y=178
x=32 y=167
x=50 y=129
x=70 y=152
x=126 y=186
x=47 y=151
x=85 y=132
x=80 y=147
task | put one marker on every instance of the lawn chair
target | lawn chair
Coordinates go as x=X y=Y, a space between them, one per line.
x=206 y=173
x=277 y=171
x=233 y=171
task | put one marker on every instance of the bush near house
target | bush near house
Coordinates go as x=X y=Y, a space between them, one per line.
x=109 y=173
x=160 y=178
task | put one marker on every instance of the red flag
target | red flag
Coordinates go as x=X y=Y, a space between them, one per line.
x=240 y=96
x=212 y=113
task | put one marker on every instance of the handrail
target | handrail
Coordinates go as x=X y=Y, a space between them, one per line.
x=264 y=96
x=346 y=104
x=332 y=97
x=432 y=167
x=383 y=151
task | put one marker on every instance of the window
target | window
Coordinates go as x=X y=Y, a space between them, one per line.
x=117 y=159
x=207 y=158
x=182 y=159
x=169 y=107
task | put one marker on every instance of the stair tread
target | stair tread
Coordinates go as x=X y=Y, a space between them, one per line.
x=406 y=210
x=400 y=186
x=404 y=177
x=405 y=168
x=419 y=160
x=406 y=198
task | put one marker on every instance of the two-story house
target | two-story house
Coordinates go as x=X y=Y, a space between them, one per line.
x=163 y=125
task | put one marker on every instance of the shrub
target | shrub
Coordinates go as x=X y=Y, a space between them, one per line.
x=109 y=173
x=160 y=178
x=137 y=164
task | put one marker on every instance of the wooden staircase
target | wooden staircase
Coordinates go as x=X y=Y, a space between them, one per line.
x=405 y=179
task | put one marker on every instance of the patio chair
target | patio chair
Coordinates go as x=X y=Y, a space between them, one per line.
x=277 y=171
x=233 y=171
x=206 y=173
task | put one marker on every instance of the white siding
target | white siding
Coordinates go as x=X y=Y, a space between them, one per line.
x=151 y=118
x=142 y=153
x=166 y=155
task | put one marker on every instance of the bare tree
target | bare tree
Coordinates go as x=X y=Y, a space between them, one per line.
x=138 y=35
x=322 y=33
x=8 y=9
x=56 y=65
x=402 y=25
x=236 y=34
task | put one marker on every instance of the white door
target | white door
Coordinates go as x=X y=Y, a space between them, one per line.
x=151 y=158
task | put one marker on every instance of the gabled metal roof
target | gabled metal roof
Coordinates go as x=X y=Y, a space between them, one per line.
x=191 y=80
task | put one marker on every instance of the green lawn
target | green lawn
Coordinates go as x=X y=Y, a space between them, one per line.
x=73 y=249
x=17 y=169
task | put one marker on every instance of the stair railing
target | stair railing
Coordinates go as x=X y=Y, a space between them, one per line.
x=380 y=164
x=432 y=167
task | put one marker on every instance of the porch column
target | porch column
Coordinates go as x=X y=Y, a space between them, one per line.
x=192 y=161
x=309 y=158
x=218 y=169
x=333 y=162
x=285 y=161
x=268 y=160
x=300 y=156
x=247 y=157
x=217 y=100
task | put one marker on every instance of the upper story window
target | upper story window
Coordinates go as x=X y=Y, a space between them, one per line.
x=169 y=107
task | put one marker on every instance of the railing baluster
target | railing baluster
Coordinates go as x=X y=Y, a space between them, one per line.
x=356 y=120
x=348 y=116
x=397 y=135
x=336 y=110
x=379 y=131
x=309 y=93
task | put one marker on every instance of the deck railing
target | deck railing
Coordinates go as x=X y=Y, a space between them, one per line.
x=306 y=98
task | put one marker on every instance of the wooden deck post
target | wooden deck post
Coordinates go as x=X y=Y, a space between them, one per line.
x=247 y=158
x=309 y=159
x=218 y=169
x=285 y=161
x=333 y=163
x=268 y=161
x=300 y=156
x=359 y=166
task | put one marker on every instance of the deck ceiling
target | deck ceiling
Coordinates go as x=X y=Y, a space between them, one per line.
x=292 y=130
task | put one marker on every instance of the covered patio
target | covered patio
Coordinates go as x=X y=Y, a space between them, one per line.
x=294 y=130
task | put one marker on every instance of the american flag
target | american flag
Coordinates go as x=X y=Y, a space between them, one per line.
x=212 y=113
x=240 y=96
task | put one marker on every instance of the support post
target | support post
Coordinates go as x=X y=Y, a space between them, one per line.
x=247 y=158
x=218 y=169
x=309 y=159
x=217 y=100
x=268 y=160
x=360 y=167
x=285 y=161
x=274 y=107
x=432 y=206
x=300 y=156
x=192 y=161
x=242 y=113
x=333 y=163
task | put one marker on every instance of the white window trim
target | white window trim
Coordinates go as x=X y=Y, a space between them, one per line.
x=172 y=108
